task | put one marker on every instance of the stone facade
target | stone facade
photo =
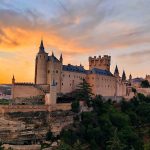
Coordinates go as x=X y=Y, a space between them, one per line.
x=60 y=78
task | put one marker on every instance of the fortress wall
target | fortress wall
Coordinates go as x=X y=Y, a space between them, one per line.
x=33 y=108
x=25 y=91
x=45 y=87
x=121 y=88
x=22 y=108
x=102 y=85
x=145 y=91
x=70 y=80
x=66 y=106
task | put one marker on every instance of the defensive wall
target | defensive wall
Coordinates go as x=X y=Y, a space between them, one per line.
x=33 y=108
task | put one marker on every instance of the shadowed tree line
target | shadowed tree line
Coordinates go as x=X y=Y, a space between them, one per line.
x=109 y=126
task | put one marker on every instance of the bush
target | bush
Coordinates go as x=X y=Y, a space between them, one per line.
x=75 y=106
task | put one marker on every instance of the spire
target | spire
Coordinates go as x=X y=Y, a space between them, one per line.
x=52 y=54
x=130 y=77
x=61 y=58
x=123 y=76
x=41 y=48
x=13 y=80
x=116 y=72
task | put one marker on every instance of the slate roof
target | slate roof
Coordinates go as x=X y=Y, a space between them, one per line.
x=53 y=57
x=100 y=72
x=72 y=68
x=137 y=80
x=80 y=69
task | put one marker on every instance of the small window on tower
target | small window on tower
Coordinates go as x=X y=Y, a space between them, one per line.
x=56 y=71
x=48 y=71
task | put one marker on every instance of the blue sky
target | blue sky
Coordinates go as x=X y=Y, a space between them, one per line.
x=78 y=29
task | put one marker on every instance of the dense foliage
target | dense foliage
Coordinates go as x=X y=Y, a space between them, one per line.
x=110 y=126
x=145 y=84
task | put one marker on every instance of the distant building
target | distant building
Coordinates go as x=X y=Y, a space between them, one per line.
x=52 y=77
x=147 y=78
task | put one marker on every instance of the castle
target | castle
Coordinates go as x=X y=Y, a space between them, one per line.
x=52 y=77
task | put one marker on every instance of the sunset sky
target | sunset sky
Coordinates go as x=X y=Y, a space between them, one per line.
x=77 y=29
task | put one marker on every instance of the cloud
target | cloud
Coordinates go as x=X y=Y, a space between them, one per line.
x=75 y=28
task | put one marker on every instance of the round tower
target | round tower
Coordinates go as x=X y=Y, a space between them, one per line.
x=41 y=66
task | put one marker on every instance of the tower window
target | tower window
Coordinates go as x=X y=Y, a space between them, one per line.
x=48 y=71
x=62 y=84
x=56 y=71
x=69 y=75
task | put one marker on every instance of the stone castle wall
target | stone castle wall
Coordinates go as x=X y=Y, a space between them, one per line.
x=33 y=108
x=22 y=91
x=102 y=85
x=70 y=81
x=100 y=62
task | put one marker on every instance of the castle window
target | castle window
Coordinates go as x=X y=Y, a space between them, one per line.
x=70 y=84
x=62 y=84
x=56 y=71
x=69 y=75
x=48 y=71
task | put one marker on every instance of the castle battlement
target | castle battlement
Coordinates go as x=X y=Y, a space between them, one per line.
x=100 y=62
x=24 y=83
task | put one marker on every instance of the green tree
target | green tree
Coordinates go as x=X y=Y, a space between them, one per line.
x=77 y=146
x=75 y=106
x=64 y=146
x=114 y=143
x=145 y=84
x=49 y=135
x=84 y=92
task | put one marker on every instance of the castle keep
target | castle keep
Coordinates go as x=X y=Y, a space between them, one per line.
x=52 y=77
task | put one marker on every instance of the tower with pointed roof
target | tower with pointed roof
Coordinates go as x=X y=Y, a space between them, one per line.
x=61 y=58
x=116 y=72
x=123 y=76
x=41 y=65
x=13 y=80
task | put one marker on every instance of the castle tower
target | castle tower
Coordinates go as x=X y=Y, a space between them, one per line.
x=53 y=93
x=123 y=76
x=41 y=65
x=61 y=58
x=13 y=80
x=100 y=62
x=130 y=77
x=116 y=72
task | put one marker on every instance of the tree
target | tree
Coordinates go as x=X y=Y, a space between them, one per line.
x=77 y=145
x=49 y=135
x=64 y=146
x=75 y=106
x=84 y=92
x=134 y=90
x=114 y=143
x=145 y=84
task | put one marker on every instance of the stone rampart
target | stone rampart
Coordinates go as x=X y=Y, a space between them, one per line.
x=33 y=108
